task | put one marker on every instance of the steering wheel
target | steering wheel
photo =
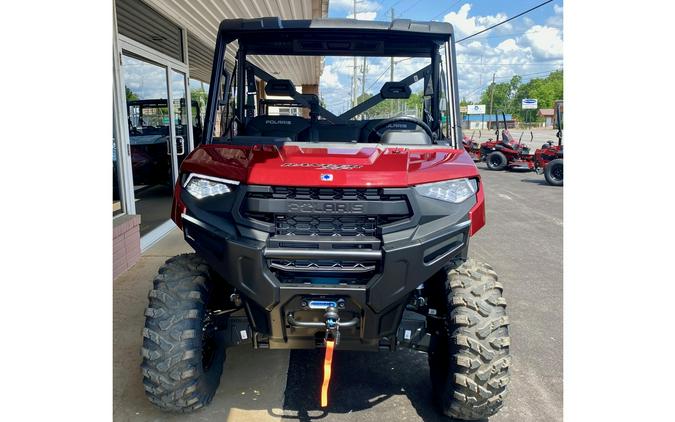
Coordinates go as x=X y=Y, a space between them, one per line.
x=404 y=119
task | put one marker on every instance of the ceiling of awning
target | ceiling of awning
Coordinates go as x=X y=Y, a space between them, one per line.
x=202 y=18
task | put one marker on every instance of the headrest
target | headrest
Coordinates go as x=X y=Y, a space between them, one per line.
x=280 y=87
x=395 y=90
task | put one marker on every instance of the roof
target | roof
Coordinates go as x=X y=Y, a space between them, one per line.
x=485 y=117
x=546 y=112
x=355 y=25
x=202 y=18
x=336 y=37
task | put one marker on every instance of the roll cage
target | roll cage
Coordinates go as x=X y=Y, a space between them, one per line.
x=334 y=37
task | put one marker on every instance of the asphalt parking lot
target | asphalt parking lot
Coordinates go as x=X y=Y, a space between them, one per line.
x=523 y=241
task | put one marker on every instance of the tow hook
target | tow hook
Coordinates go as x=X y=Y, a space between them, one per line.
x=332 y=339
x=332 y=325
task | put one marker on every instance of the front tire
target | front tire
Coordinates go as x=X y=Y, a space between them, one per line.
x=496 y=161
x=553 y=172
x=469 y=354
x=182 y=357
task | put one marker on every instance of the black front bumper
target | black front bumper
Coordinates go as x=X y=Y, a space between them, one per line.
x=405 y=254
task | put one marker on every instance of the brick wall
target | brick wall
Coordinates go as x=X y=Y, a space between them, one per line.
x=126 y=243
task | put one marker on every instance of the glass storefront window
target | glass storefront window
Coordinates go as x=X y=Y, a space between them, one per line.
x=199 y=92
x=180 y=114
x=152 y=156
x=117 y=205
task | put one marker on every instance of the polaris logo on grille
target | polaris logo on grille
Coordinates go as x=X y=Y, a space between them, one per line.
x=317 y=207
x=327 y=177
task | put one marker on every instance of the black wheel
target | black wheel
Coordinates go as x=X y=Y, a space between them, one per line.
x=182 y=354
x=496 y=160
x=469 y=351
x=553 y=172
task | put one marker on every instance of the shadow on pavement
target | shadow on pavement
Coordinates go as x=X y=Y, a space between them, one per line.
x=541 y=181
x=360 y=381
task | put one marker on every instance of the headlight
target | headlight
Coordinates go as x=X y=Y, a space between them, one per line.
x=201 y=186
x=455 y=191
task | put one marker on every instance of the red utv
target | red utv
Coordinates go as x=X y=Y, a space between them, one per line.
x=504 y=152
x=334 y=232
x=549 y=158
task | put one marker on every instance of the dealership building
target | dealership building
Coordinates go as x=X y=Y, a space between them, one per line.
x=162 y=57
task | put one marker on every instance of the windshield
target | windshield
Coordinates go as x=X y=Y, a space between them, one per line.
x=268 y=97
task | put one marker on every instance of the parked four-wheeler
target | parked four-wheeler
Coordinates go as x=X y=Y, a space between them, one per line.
x=504 y=152
x=549 y=158
x=331 y=232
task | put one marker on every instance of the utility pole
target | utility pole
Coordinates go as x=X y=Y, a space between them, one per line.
x=364 y=69
x=492 y=94
x=354 y=70
x=391 y=72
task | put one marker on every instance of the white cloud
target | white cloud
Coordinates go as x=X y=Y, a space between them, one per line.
x=329 y=78
x=361 y=6
x=557 y=19
x=366 y=16
x=465 y=25
x=546 y=42
x=527 y=48
x=508 y=46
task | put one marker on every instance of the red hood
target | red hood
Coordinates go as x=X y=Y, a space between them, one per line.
x=317 y=166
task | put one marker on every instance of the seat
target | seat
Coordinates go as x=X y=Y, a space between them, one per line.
x=405 y=137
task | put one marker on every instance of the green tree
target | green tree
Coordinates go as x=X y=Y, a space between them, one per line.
x=131 y=96
x=504 y=95
x=508 y=95
x=546 y=90
x=384 y=108
x=199 y=95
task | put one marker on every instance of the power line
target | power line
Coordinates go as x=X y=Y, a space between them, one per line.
x=392 y=6
x=448 y=9
x=508 y=64
x=385 y=71
x=530 y=31
x=503 y=22
x=411 y=6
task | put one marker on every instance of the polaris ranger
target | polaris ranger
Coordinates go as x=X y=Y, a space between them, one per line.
x=330 y=231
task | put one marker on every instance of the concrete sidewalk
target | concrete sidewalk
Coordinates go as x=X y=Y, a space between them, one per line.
x=253 y=383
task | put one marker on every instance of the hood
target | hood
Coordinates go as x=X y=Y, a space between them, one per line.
x=366 y=165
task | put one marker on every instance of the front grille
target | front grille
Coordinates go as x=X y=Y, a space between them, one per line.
x=311 y=225
x=322 y=266
x=327 y=194
x=341 y=224
x=325 y=223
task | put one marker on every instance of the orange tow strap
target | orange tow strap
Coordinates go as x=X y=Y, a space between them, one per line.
x=327 y=363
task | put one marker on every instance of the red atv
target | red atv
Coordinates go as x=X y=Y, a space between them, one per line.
x=504 y=152
x=333 y=231
x=549 y=158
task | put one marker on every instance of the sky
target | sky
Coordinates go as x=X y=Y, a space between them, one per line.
x=530 y=46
